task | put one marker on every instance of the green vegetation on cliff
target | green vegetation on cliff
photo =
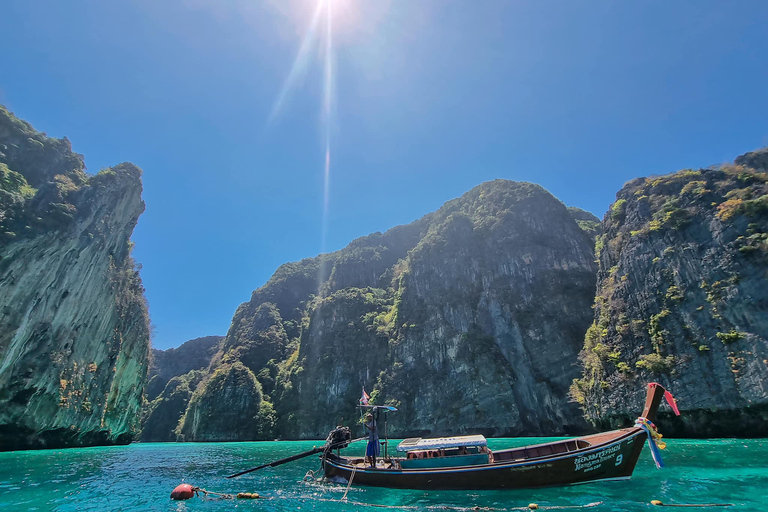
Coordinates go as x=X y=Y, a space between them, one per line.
x=33 y=154
x=162 y=414
x=228 y=406
x=586 y=221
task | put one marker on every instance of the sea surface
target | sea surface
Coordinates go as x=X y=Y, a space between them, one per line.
x=140 y=477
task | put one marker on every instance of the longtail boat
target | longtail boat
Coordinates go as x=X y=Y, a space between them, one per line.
x=465 y=462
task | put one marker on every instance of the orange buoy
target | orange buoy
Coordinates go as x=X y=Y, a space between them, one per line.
x=183 y=492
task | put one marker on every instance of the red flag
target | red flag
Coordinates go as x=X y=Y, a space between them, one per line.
x=670 y=399
x=672 y=402
x=364 y=399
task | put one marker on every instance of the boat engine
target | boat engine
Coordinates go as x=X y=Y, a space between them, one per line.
x=338 y=438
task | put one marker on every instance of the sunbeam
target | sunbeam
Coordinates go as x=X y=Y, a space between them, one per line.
x=299 y=63
x=326 y=110
x=327 y=121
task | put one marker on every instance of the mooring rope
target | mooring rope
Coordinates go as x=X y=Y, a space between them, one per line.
x=222 y=496
x=349 y=484
x=225 y=496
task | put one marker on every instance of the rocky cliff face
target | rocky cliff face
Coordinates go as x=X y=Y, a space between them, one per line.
x=681 y=299
x=173 y=376
x=74 y=325
x=227 y=406
x=469 y=319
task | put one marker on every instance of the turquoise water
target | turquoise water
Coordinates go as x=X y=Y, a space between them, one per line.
x=141 y=477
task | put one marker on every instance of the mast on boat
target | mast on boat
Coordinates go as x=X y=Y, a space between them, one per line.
x=377 y=409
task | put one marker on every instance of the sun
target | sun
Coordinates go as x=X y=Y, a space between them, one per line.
x=342 y=12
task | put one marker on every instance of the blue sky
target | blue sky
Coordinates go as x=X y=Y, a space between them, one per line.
x=428 y=98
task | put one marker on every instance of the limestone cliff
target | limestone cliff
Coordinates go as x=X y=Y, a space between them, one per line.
x=161 y=416
x=174 y=375
x=227 y=407
x=681 y=299
x=468 y=319
x=191 y=355
x=492 y=302
x=74 y=325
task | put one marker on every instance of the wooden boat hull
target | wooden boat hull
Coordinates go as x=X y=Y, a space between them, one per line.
x=613 y=458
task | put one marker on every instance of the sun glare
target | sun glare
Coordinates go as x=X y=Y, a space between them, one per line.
x=327 y=122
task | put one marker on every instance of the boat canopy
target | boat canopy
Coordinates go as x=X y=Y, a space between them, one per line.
x=417 y=443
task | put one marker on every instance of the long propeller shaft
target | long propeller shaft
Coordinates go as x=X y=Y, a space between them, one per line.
x=294 y=457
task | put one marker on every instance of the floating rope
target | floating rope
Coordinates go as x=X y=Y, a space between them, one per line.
x=224 y=496
x=186 y=491
x=654 y=439
x=531 y=506
x=658 y=503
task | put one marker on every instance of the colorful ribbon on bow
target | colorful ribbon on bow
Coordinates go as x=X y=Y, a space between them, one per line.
x=654 y=439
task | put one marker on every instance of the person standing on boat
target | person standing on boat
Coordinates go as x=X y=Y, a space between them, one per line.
x=372 y=450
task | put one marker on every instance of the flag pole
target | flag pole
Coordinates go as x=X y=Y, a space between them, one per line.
x=362 y=401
